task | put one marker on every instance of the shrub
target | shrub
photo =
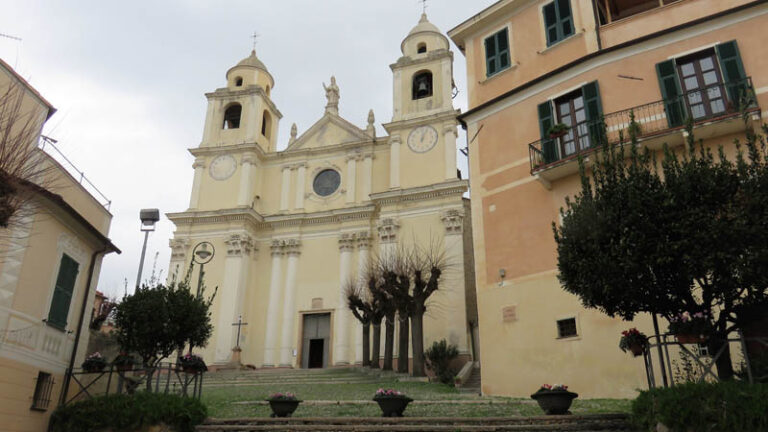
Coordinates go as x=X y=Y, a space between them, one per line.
x=124 y=412
x=439 y=357
x=716 y=407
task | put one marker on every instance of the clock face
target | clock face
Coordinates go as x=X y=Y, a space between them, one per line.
x=223 y=167
x=422 y=139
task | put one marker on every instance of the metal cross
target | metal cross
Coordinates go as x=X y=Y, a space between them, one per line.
x=239 y=325
x=255 y=36
x=423 y=5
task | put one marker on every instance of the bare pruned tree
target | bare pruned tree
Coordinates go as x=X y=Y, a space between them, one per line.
x=397 y=283
x=359 y=304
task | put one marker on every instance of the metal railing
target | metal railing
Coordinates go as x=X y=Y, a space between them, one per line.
x=167 y=378
x=651 y=119
x=704 y=363
x=48 y=146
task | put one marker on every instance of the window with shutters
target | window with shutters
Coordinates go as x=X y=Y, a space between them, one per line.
x=558 y=21
x=62 y=292
x=613 y=10
x=497 y=56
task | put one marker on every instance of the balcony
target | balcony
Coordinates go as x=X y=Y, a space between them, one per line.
x=656 y=123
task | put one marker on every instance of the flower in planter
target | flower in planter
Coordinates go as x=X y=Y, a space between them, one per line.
x=554 y=399
x=633 y=340
x=389 y=393
x=282 y=397
x=392 y=402
x=192 y=363
x=94 y=363
x=558 y=130
x=696 y=324
x=552 y=388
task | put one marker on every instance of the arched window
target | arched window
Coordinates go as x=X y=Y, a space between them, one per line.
x=232 y=117
x=421 y=48
x=422 y=85
x=238 y=82
x=266 y=124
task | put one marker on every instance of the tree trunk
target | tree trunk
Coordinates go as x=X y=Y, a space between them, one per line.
x=366 y=344
x=389 y=342
x=402 y=356
x=376 y=348
x=723 y=363
x=417 y=340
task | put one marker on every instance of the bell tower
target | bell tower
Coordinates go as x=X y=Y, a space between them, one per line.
x=243 y=112
x=423 y=128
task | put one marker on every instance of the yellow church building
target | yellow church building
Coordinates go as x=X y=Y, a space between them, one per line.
x=289 y=228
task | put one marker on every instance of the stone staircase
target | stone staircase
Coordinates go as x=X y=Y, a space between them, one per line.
x=288 y=376
x=585 y=423
x=473 y=383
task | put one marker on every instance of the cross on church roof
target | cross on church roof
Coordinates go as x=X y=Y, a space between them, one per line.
x=255 y=36
x=423 y=5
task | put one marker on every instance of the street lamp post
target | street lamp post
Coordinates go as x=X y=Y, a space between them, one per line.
x=202 y=255
x=149 y=218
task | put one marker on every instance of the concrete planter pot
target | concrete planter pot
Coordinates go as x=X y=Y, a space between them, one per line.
x=393 y=406
x=283 y=407
x=556 y=402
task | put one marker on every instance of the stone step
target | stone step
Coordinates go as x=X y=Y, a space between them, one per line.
x=586 y=423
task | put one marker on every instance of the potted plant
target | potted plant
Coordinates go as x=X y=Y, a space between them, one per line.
x=192 y=364
x=554 y=400
x=558 y=130
x=634 y=341
x=283 y=404
x=123 y=362
x=94 y=363
x=391 y=402
x=690 y=328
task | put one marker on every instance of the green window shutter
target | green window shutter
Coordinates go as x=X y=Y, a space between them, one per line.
x=62 y=292
x=502 y=42
x=565 y=18
x=733 y=71
x=490 y=56
x=593 y=109
x=558 y=21
x=546 y=121
x=550 y=23
x=671 y=92
x=497 y=53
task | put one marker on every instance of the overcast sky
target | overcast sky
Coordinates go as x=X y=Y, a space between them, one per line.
x=128 y=80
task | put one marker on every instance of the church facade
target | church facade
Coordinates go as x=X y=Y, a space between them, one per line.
x=289 y=228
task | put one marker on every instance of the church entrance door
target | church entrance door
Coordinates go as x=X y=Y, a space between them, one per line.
x=316 y=337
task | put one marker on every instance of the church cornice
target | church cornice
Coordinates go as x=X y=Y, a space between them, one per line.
x=406 y=61
x=444 y=116
x=251 y=147
x=450 y=188
x=259 y=222
x=226 y=93
x=281 y=156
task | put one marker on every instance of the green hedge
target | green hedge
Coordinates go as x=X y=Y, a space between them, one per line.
x=727 y=407
x=128 y=413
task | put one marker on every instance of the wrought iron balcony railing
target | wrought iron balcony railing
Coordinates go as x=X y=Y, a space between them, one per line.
x=709 y=104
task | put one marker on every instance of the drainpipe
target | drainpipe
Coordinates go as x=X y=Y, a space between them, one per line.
x=597 y=24
x=78 y=332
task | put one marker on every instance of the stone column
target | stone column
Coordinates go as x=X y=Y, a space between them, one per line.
x=285 y=193
x=450 y=135
x=300 y=179
x=199 y=167
x=367 y=176
x=179 y=250
x=341 y=322
x=273 y=303
x=245 y=196
x=394 y=161
x=453 y=293
x=292 y=249
x=363 y=247
x=351 y=179
x=232 y=291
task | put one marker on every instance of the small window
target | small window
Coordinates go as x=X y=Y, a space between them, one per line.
x=238 y=82
x=497 y=53
x=612 y=10
x=422 y=48
x=326 y=182
x=558 y=21
x=232 y=117
x=42 y=396
x=422 y=85
x=266 y=124
x=62 y=292
x=566 y=328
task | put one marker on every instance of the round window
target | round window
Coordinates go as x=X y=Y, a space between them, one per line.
x=326 y=182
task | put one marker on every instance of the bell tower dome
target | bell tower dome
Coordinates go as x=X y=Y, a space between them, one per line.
x=243 y=111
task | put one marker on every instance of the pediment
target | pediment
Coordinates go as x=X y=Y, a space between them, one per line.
x=329 y=130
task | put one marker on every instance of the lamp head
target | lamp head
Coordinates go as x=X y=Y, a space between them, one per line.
x=149 y=218
x=203 y=253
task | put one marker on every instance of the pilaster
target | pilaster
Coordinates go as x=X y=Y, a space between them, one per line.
x=292 y=250
x=270 y=340
x=351 y=179
x=341 y=344
x=199 y=167
x=449 y=137
x=286 y=188
x=301 y=170
x=363 y=239
x=232 y=291
x=394 y=161
x=245 y=195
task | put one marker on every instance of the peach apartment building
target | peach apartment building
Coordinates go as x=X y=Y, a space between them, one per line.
x=532 y=64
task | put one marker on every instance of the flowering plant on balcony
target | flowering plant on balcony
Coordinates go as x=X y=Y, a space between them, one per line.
x=388 y=393
x=94 y=362
x=192 y=363
x=696 y=325
x=633 y=340
x=557 y=130
x=282 y=397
